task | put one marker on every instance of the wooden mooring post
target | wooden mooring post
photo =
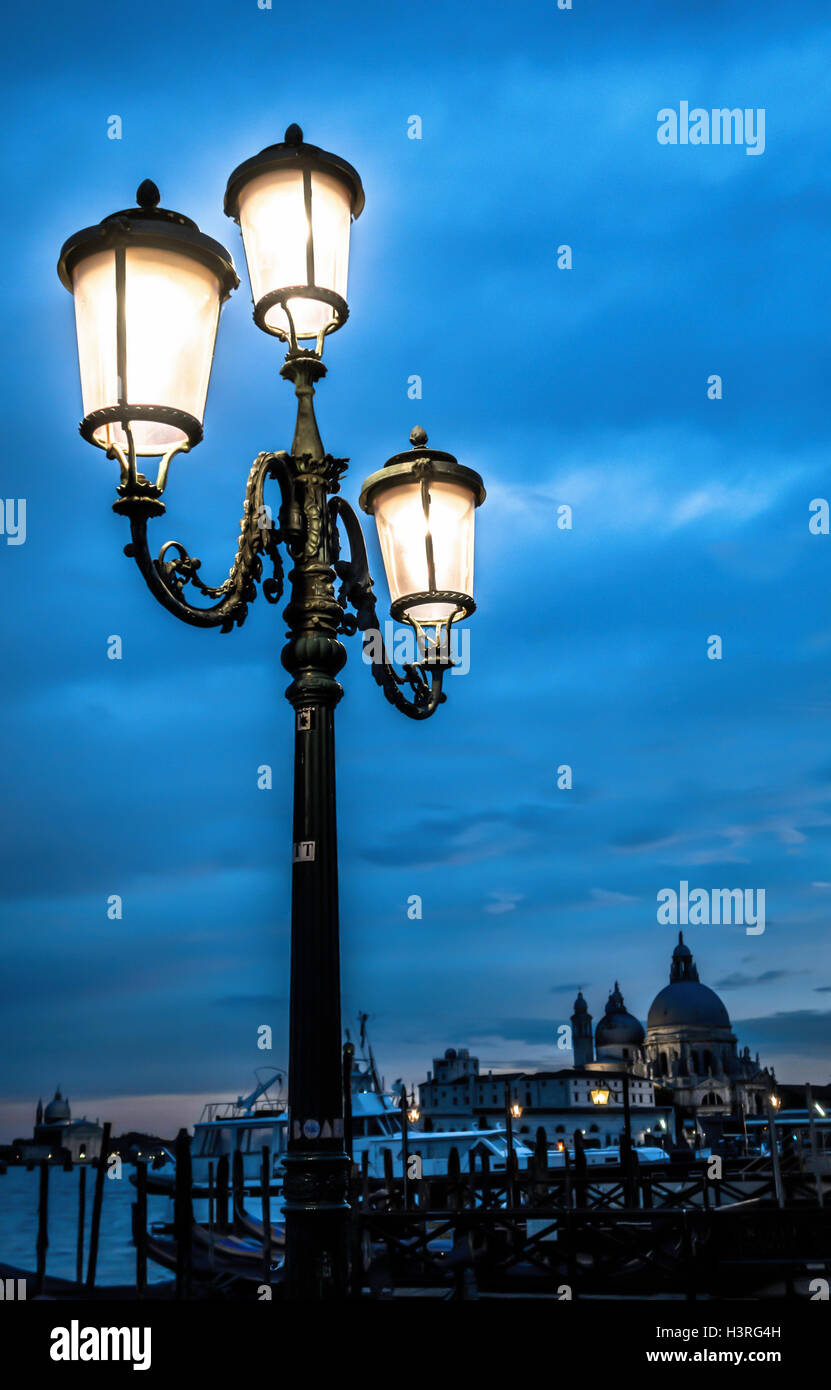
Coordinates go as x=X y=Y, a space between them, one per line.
x=471 y=1177
x=809 y=1102
x=211 y=1199
x=365 y=1178
x=486 y=1179
x=265 y=1191
x=82 y=1212
x=774 y=1156
x=348 y=1059
x=389 y=1179
x=223 y=1168
x=540 y=1167
x=183 y=1215
x=97 y=1200
x=405 y=1146
x=238 y=1189
x=43 y=1225
x=580 y=1167
x=454 y=1186
x=356 y=1262
x=140 y=1227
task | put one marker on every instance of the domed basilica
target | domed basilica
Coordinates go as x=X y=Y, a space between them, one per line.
x=689 y=1047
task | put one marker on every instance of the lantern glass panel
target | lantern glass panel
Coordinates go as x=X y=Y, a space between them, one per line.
x=402 y=533
x=171 y=317
x=276 y=234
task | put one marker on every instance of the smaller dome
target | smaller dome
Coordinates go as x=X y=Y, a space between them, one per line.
x=57 y=1109
x=580 y=1005
x=617 y=1027
x=450 y=1054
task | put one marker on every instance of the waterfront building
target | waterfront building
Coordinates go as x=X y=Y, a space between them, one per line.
x=57 y=1135
x=457 y=1095
x=690 y=1048
x=685 y=1071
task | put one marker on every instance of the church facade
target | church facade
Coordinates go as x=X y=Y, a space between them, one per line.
x=688 y=1048
x=684 y=1068
x=58 y=1137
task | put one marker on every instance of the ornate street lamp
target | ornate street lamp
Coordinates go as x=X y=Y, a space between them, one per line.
x=424 y=504
x=148 y=287
x=295 y=205
x=600 y=1094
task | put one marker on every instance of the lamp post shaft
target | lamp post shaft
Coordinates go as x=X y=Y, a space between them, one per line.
x=316 y=1164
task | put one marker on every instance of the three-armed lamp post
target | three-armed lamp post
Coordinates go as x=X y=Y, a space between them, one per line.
x=148 y=287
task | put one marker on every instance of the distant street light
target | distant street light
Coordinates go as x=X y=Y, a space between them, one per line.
x=148 y=288
x=513 y=1111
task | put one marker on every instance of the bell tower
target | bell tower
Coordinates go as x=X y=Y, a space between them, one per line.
x=581 y=1032
x=683 y=966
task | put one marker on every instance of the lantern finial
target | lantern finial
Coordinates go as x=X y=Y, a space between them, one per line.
x=418 y=437
x=148 y=195
x=293 y=135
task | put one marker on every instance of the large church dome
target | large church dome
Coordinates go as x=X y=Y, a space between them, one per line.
x=685 y=1002
x=57 y=1110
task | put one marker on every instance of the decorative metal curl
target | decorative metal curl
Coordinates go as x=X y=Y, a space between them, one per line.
x=357 y=590
x=259 y=536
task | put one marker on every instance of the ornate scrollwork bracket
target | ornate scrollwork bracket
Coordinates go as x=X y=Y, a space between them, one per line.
x=259 y=538
x=307 y=525
x=357 y=591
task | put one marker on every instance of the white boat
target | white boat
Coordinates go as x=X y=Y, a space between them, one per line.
x=239 y=1126
x=260 y=1120
x=597 y=1158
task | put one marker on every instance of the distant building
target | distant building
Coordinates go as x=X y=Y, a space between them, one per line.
x=56 y=1135
x=456 y=1095
x=135 y=1144
x=684 y=1067
x=691 y=1049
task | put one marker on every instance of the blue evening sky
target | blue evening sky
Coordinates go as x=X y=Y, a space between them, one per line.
x=585 y=387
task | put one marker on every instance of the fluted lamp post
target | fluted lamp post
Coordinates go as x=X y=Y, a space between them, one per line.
x=148 y=288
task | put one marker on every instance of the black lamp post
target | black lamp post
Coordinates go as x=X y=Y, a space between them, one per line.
x=148 y=287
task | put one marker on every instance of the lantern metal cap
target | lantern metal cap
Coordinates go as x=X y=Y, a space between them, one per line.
x=147 y=224
x=292 y=152
x=418 y=461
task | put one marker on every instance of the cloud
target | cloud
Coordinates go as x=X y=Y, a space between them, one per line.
x=801 y=1032
x=503 y=902
x=607 y=897
x=244 y=1001
x=740 y=980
